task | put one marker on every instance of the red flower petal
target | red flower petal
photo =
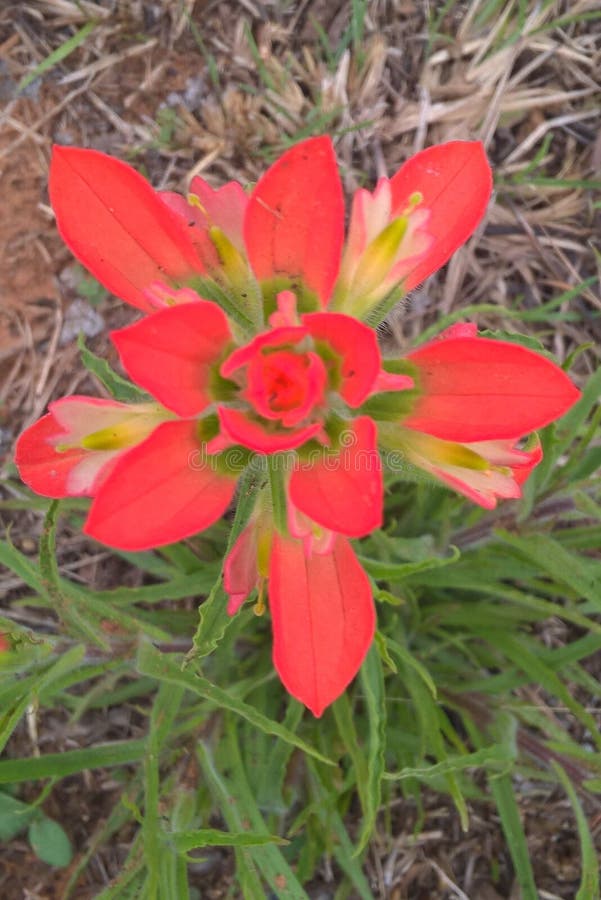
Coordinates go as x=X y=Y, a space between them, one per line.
x=294 y=223
x=285 y=386
x=253 y=434
x=343 y=491
x=356 y=344
x=277 y=337
x=476 y=389
x=455 y=182
x=240 y=574
x=161 y=491
x=43 y=469
x=224 y=207
x=170 y=353
x=323 y=620
x=68 y=473
x=117 y=225
x=196 y=227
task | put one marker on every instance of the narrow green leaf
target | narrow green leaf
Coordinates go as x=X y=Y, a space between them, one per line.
x=119 y=388
x=397 y=571
x=162 y=667
x=212 y=837
x=21 y=565
x=524 y=657
x=408 y=659
x=248 y=877
x=372 y=682
x=589 y=881
x=99 y=611
x=51 y=582
x=431 y=737
x=61 y=52
x=269 y=790
x=49 y=842
x=175 y=588
x=334 y=836
x=14 y=816
x=487 y=758
x=32 y=688
x=59 y=765
x=502 y=791
x=345 y=722
x=578 y=573
x=213 y=617
x=236 y=794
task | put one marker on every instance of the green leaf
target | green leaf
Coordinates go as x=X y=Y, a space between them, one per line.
x=57 y=55
x=58 y=765
x=14 y=816
x=212 y=837
x=511 y=337
x=397 y=571
x=213 y=617
x=568 y=425
x=525 y=657
x=578 y=573
x=487 y=758
x=333 y=832
x=49 y=842
x=345 y=723
x=405 y=656
x=589 y=881
x=119 y=388
x=51 y=582
x=238 y=795
x=372 y=681
x=431 y=738
x=161 y=666
x=502 y=791
x=25 y=691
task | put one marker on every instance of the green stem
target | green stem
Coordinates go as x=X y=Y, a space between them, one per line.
x=278 y=492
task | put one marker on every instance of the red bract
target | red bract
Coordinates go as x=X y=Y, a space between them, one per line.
x=322 y=628
x=476 y=389
x=255 y=351
x=160 y=491
x=455 y=183
x=67 y=452
x=294 y=226
x=117 y=225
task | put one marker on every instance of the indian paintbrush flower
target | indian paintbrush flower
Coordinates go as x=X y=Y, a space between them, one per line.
x=257 y=346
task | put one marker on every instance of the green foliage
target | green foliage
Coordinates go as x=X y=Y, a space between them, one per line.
x=118 y=387
x=442 y=701
x=46 y=837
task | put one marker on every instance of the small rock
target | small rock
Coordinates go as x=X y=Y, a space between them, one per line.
x=80 y=317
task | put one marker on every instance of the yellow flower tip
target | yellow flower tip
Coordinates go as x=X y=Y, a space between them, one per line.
x=193 y=200
x=264 y=539
x=446 y=453
x=129 y=431
x=462 y=457
x=259 y=607
x=232 y=261
x=379 y=257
